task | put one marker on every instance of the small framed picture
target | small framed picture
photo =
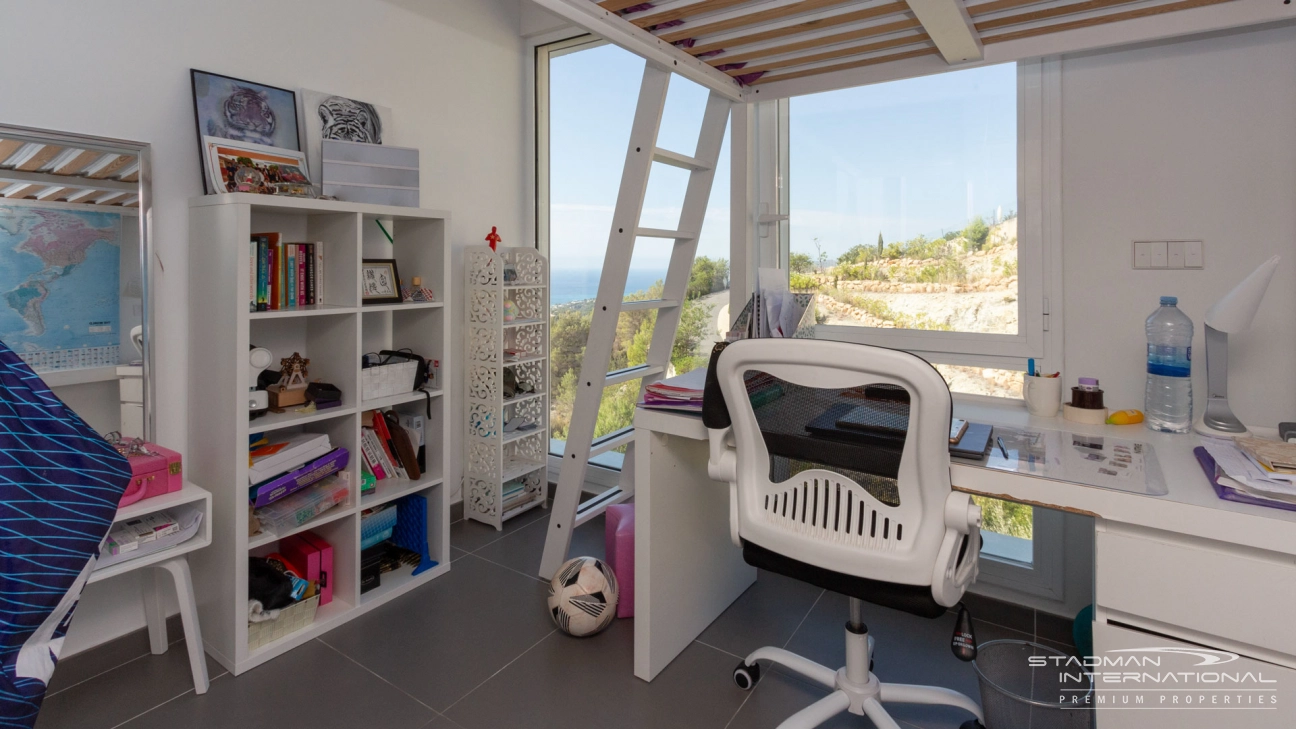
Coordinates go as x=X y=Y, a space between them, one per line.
x=379 y=281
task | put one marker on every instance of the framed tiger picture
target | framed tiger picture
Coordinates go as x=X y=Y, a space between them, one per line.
x=330 y=116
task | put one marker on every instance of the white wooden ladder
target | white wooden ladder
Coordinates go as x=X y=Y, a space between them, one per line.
x=569 y=511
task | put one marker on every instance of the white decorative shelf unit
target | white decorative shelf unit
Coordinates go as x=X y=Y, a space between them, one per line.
x=332 y=335
x=507 y=383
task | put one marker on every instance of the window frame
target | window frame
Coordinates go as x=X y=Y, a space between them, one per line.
x=1039 y=249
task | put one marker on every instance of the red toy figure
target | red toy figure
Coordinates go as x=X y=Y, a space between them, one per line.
x=493 y=238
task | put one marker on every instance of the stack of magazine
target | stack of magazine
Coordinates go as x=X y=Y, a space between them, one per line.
x=683 y=392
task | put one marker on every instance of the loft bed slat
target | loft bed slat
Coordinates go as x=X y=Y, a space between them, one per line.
x=1047 y=13
x=855 y=16
x=77 y=163
x=683 y=13
x=756 y=18
x=813 y=43
x=1100 y=20
x=619 y=5
x=39 y=160
x=875 y=60
x=7 y=148
x=901 y=42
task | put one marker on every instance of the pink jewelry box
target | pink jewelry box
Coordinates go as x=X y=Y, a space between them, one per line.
x=154 y=470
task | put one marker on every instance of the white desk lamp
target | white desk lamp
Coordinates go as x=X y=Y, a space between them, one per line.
x=1232 y=314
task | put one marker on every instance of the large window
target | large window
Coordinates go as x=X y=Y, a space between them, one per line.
x=903 y=216
x=902 y=203
x=587 y=92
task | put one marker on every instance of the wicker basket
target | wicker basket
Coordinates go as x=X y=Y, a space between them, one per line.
x=290 y=620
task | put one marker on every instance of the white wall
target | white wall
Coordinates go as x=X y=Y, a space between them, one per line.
x=451 y=70
x=1192 y=140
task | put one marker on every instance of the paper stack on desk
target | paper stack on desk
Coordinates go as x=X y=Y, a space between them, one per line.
x=1242 y=471
x=683 y=392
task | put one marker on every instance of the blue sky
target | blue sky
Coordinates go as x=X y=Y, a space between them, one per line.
x=904 y=158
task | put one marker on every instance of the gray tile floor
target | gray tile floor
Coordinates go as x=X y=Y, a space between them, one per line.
x=476 y=649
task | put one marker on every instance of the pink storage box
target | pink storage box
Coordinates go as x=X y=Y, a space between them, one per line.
x=154 y=470
x=619 y=546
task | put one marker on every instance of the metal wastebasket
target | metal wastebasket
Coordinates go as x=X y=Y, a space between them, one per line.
x=1018 y=693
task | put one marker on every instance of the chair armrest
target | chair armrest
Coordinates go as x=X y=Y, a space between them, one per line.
x=722 y=464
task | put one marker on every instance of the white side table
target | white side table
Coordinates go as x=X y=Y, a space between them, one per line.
x=171 y=562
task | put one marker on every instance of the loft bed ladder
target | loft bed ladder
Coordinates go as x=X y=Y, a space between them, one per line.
x=569 y=511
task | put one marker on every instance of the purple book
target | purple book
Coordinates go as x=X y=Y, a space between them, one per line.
x=1228 y=493
x=268 y=492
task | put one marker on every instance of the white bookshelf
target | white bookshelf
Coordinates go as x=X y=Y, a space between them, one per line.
x=333 y=335
x=492 y=455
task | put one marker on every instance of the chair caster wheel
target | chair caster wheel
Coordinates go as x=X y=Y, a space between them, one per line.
x=972 y=724
x=745 y=676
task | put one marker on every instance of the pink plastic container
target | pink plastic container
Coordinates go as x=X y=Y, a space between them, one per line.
x=619 y=546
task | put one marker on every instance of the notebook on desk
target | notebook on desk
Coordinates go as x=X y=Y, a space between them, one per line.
x=876 y=424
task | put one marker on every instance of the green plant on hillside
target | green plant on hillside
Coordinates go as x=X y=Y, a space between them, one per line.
x=800 y=263
x=707 y=276
x=1008 y=268
x=802 y=282
x=879 y=309
x=976 y=233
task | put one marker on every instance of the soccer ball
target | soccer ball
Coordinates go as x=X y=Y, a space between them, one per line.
x=583 y=596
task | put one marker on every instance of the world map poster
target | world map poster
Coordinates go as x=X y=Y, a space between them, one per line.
x=60 y=272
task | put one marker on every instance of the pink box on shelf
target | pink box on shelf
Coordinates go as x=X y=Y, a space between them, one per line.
x=619 y=546
x=154 y=470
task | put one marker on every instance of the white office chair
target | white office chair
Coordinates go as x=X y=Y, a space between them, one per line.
x=778 y=400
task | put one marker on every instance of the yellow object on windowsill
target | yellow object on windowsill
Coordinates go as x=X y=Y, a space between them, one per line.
x=1125 y=417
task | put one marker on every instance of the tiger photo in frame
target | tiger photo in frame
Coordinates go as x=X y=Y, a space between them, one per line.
x=332 y=116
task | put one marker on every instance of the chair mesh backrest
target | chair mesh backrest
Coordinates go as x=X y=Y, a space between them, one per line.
x=832 y=462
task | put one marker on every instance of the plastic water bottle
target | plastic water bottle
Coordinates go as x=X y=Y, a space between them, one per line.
x=1168 y=398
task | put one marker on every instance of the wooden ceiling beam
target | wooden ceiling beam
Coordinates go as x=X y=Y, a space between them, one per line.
x=950 y=27
x=877 y=11
x=1047 y=13
x=649 y=18
x=876 y=60
x=1101 y=20
x=907 y=40
x=850 y=35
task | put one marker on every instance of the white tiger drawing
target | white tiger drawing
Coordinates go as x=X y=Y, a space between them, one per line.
x=350 y=120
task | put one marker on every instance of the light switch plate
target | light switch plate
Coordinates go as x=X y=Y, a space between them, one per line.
x=1174 y=254
x=1159 y=257
x=1193 y=256
x=1142 y=254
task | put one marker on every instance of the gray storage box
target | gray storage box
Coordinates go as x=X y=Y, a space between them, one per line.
x=371 y=173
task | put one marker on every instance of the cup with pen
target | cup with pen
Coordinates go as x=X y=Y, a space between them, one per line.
x=1043 y=393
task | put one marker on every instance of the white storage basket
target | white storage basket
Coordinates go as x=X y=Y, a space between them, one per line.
x=387 y=380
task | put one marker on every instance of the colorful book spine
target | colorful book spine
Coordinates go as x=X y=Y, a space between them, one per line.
x=319 y=273
x=310 y=273
x=268 y=492
x=388 y=445
x=263 y=273
x=291 y=274
x=301 y=274
x=372 y=453
x=252 y=278
x=281 y=264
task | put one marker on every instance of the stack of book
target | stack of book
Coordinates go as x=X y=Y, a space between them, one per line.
x=683 y=392
x=389 y=448
x=514 y=494
x=288 y=464
x=284 y=275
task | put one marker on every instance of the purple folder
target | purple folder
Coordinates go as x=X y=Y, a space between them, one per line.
x=1228 y=493
x=268 y=492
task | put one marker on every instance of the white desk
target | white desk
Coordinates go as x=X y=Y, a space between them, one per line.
x=1179 y=569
